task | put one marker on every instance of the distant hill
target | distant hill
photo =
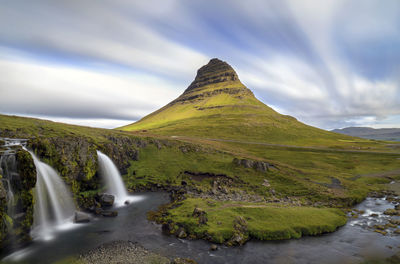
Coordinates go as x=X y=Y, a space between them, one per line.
x=217 y=105
x=392 y=134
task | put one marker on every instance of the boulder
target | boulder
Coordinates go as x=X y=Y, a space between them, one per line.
x=380 y=232
x=108 y=213
x=98 y=210
x=203 y=219
x=181 y=233
x=167 y=228
x=183 y=261
x=81 y=217
x=106 y=199
x=198 y=212
x=394 y=221
x=213 y=247
x=391 y=212
x=266 y=183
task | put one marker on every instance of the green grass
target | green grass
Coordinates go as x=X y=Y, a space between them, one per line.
x=264 y=221
x=239 y=116
x=32 y=127
x=302 y=173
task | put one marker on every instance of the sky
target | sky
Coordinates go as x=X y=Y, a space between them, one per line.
x=330 y=64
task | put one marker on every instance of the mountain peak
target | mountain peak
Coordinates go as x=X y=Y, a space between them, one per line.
x=215 y=71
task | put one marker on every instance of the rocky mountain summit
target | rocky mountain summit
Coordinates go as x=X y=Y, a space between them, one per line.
x=212 y=79
x=215 y=71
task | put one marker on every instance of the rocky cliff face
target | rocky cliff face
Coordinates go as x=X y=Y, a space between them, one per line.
x=74 y=157
x=18 y=178
x=214 y=78
x=216 y=71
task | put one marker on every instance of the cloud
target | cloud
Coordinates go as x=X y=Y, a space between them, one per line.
x=329 y=63
x=94 y=34
x=34 y=89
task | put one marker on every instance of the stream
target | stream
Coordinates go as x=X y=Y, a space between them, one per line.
x=352 y=243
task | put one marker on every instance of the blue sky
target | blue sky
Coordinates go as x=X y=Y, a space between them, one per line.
x=330 y=63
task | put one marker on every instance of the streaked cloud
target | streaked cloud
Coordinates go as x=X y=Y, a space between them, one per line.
x=330 y=63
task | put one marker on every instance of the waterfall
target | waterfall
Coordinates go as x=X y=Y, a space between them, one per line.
x=113 y=180
x=54 y=206
x=8 y=170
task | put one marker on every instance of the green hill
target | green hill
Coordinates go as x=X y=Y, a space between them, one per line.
x=218 y=105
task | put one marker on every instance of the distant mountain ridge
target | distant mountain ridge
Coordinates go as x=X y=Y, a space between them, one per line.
x=218 y=105
x=392 y=134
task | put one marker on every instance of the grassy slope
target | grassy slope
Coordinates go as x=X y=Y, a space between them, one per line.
x=241 y=117
x=301 y=173
x=33 y=127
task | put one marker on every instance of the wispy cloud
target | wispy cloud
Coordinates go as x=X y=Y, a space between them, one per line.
x=329 y=63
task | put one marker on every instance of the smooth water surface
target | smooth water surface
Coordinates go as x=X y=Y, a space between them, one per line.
x=350 y=244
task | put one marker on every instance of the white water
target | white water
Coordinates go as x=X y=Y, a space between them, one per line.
x=54 y=207
x=113 y=180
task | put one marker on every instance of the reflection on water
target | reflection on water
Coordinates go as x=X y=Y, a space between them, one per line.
x=350 y=244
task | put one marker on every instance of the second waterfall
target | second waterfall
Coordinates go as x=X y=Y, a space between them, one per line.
x=113 y=180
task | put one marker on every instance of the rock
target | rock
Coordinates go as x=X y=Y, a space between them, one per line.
x=81 y=217
x=198 y=212
x=240 y=234
x=373 y=215
x=397 y=231
x=390 y=225
x=380 y=232
x=391 y=212
x=106 y=199
x=166 y=228
x=394 y=221
x=126 y=202
x=19 y=217
x=266 y=183
x=108 y=213
x=181 y=233
x=203 y=219
x=183 y=261
x=213 y=247
x=98 y=210
x=379 y=227
x=257 y=165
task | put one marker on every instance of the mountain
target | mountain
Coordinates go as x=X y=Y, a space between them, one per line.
x=392 y=134
x=218 y=105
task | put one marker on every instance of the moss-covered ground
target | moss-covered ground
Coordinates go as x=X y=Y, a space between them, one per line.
x=306 y=184
x=262 y=221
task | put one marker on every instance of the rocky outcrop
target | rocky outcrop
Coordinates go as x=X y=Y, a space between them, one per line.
x=16 y=201
x=218 y=74
x=240 y=234
x=214 y=72
x=201 y=215
x=255 y=164
x=75 y=158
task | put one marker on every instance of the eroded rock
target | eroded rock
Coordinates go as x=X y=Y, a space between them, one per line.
x=81 y=217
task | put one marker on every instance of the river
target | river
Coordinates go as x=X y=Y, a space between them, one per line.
x=350 y=244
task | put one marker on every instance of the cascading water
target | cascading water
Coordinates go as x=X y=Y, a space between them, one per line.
x=8 y=170
x=113 y=180
x=54 y=206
